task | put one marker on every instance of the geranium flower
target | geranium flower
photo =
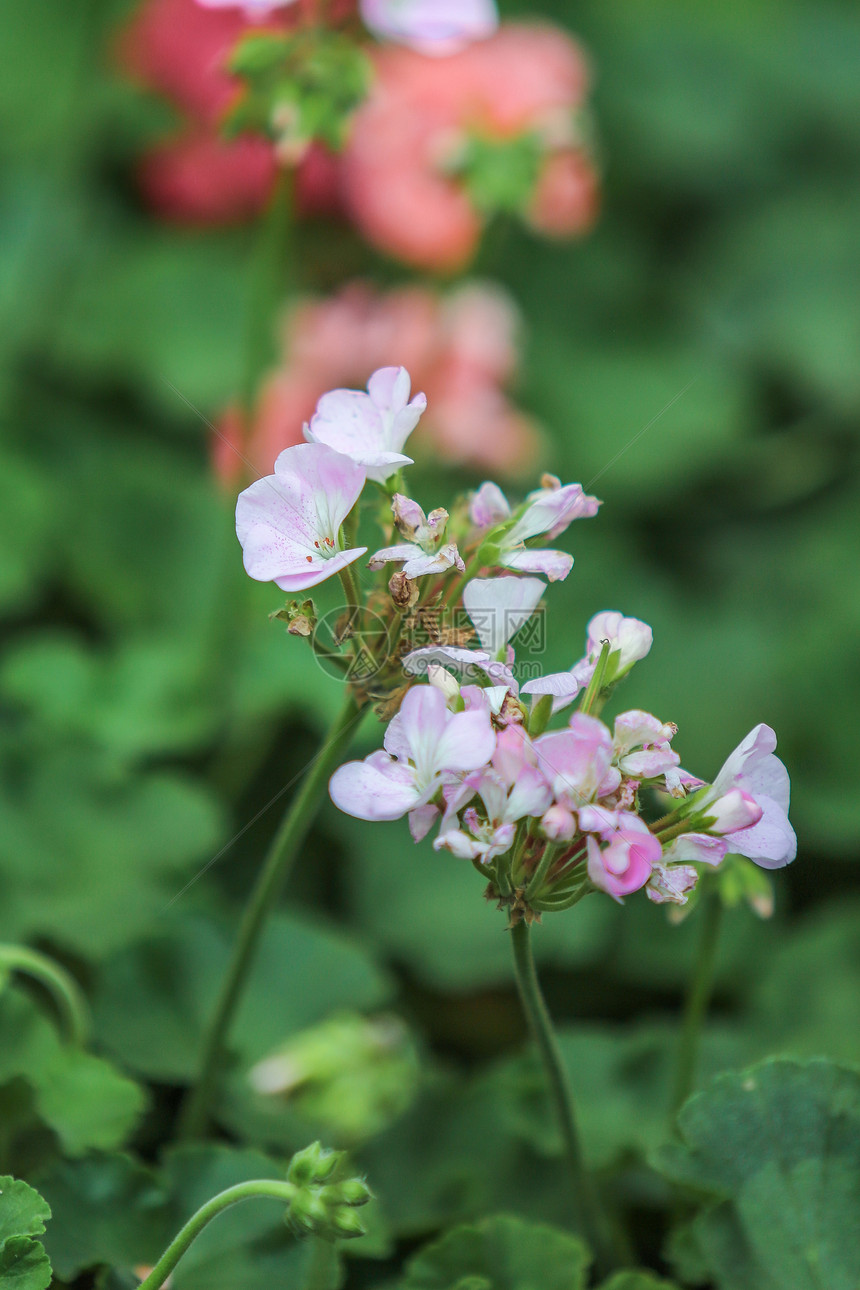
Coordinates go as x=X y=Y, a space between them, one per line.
x=423 y=552
x=629 y=641
x=431 y=26
x=370 y=428
x=548 y=511
x=623 y=852
x=752 y=767
x=289 y=524
x=406 y=177
x=512 y=788
x=426 y=745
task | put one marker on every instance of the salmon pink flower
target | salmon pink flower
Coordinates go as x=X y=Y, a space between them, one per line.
x=289 y=524
x=370 y=428
x=431 y=26
x=407 y=180
x=426 y=747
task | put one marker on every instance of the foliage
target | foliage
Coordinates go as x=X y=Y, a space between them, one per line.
x=694 y=362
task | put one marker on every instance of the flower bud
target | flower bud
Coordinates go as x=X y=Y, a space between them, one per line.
x=444 y=681
x=346 y=1224
x=313 y=1165
x=735 y=810
x=559 y=824
x=354 y=1191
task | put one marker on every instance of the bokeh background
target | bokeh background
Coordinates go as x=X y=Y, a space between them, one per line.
x=697 y=356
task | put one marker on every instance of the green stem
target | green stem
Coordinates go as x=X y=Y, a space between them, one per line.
x=279 y=861
x=565 y=902
x=595 y=685
x=551 y=852
x=268 y=287
x=586 y=1211
x=697 y=1000
x=322 y=1271
x=282 y=1191
x=64 y=990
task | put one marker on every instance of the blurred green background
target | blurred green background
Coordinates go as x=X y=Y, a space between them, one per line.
x=697 y=357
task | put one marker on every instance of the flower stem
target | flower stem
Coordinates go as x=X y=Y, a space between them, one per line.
x=282 y=1191
x=279 y=861
x=698 y=997
x=268 y=285
x=586 y=1211
x=69 y=1000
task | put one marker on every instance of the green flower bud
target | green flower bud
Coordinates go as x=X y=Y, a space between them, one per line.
x=354 y=1191
x=346 y=1224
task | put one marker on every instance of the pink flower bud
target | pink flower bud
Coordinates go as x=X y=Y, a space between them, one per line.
x=737 y=809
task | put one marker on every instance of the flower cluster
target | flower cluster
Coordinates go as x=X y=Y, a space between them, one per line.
x=461 y=346
x=546 y=816
x=416 y=150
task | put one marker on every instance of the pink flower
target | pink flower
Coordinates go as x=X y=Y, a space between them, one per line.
x=672 y=883
x=641 y=744
x=629 y=640
x=460 y=348
x=733 y=811
x=254 y=10
x=198 y=177
x=431 y=26
x=577 y=762
x=418 y=562
x=547 y=511
x=624 y=862
x=180 y=49
x=370 y=428
x=289 y=523
x=426 y=746
x=752 y=767
x=400 y=183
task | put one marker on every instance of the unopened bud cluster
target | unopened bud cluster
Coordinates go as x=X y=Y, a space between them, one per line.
x=324 y=1204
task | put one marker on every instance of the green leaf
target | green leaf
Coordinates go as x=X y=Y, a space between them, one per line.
x=308 y=968
x=637 y=1281
x=23 y=1212
x=503 y=1253
x=128 y=845
x=775 y=1150
x=88 y=1103
x=106 y=1209
x=24 y=1265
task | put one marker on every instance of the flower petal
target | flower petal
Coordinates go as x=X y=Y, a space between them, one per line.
x=555 y=565
x=373 y=789
x=498 y=607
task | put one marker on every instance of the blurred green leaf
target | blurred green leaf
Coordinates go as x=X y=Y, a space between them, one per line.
x=503 y=1253
x=777 y=1150
x=304 y=971
x=88 y=1103
x=106 y=1209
